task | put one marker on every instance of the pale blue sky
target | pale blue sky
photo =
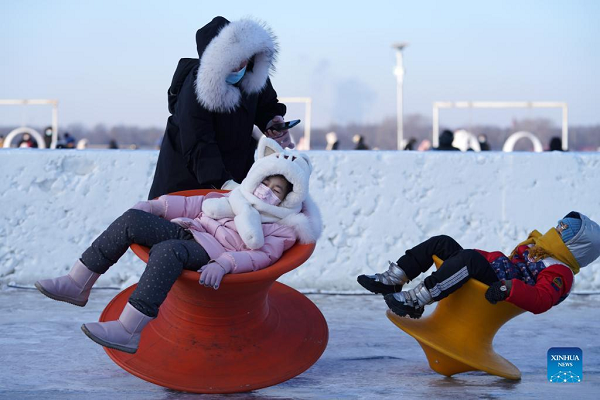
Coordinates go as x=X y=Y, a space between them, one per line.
x=112 y=61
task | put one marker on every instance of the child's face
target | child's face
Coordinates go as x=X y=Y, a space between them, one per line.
x=278 y=184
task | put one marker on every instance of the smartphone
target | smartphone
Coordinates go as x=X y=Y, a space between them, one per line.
x=286 y=125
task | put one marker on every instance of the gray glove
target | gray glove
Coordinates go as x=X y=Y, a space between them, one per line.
x=211 y=275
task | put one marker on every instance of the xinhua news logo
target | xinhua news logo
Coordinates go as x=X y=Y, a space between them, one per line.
x=565 y=365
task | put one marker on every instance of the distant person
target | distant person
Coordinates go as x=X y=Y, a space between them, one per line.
x=332 y=141
x=359 y=142
x=411 y=144
x=48 y=136
x=215 y=102
x=113 y=144
x=82 y=144
x=555 y=144
x=484 y=145
x=27 y=141
x=446 y=139
x=60 y=142
x=425 y=145
x=1 y=141
x=69 y=141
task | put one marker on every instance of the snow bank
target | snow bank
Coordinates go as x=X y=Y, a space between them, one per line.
x=374 y=206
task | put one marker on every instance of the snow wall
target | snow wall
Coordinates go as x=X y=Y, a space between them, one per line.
x=375 y=205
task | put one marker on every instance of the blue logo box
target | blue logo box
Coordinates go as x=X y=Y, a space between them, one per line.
x=565 y=365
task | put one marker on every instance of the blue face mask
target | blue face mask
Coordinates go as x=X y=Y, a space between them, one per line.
x=235 y=77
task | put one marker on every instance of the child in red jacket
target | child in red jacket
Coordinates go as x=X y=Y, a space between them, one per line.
x=537 y=275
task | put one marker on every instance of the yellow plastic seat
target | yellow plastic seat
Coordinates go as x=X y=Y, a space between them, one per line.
x=457 y=336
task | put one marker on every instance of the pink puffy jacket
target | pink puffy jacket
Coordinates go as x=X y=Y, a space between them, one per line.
x=220 y=238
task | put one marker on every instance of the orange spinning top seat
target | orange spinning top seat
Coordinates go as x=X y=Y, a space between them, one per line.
x=457 y=336
x=251 y=333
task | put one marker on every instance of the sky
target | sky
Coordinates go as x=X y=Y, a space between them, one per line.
x=111 y=62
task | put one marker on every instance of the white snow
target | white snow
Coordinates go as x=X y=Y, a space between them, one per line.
x=375 y=205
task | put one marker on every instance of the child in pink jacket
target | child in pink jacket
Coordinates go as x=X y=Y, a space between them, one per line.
x=245 y=230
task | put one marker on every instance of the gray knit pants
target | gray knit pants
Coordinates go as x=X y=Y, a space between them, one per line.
x=173 y=249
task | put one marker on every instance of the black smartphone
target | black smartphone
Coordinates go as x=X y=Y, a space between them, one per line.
x=285 y=125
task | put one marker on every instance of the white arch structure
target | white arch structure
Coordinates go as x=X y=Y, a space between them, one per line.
x=23 y=129
x=501 y=104
x=25 y=102
x=509 y=145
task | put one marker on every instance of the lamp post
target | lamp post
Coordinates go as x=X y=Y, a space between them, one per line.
x=399 y=72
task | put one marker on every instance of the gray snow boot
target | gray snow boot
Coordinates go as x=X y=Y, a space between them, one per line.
x=123 y=334
x=390 y=281
x=411 y=302
x=72 y=288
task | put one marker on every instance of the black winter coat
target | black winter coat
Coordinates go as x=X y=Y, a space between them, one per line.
x=202 y=149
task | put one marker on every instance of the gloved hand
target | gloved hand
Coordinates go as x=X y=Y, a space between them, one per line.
x=498 y=291
x=211 y=275
x=282 y=137
x=230 y=185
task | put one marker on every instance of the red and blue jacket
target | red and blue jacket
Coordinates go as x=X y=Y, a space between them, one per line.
x=537 y=286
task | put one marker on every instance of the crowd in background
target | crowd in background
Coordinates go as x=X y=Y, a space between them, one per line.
x=446 y=143
x=333 y=142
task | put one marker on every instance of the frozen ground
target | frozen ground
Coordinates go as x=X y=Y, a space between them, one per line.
x=44 y=355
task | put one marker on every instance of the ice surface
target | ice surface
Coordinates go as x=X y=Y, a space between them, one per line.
x=44 y=355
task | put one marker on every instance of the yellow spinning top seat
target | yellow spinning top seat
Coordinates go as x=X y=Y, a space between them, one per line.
x=457 y=336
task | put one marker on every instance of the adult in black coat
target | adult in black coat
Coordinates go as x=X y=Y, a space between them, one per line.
x=445 y=140
x=208 y=139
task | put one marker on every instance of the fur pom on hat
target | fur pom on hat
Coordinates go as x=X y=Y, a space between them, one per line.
x=297 y=210
x=237 y=41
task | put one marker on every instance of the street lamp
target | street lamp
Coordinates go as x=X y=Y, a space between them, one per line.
x=399 y=72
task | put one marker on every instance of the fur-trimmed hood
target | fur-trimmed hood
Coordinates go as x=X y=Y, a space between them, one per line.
x=222 y=46
x=297 y=209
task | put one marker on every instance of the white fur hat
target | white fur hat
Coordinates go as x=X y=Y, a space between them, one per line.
x=237 y=41
x=273 y=160
x=297 y=209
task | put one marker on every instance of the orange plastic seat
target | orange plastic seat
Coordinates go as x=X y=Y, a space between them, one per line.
x=457 y=336
x=251 y=333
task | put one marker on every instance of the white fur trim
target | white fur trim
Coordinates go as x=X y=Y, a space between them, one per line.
x=236 y=42
x=217 y=208
x=311 y=210
x=249 y=227
x=307 y=224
